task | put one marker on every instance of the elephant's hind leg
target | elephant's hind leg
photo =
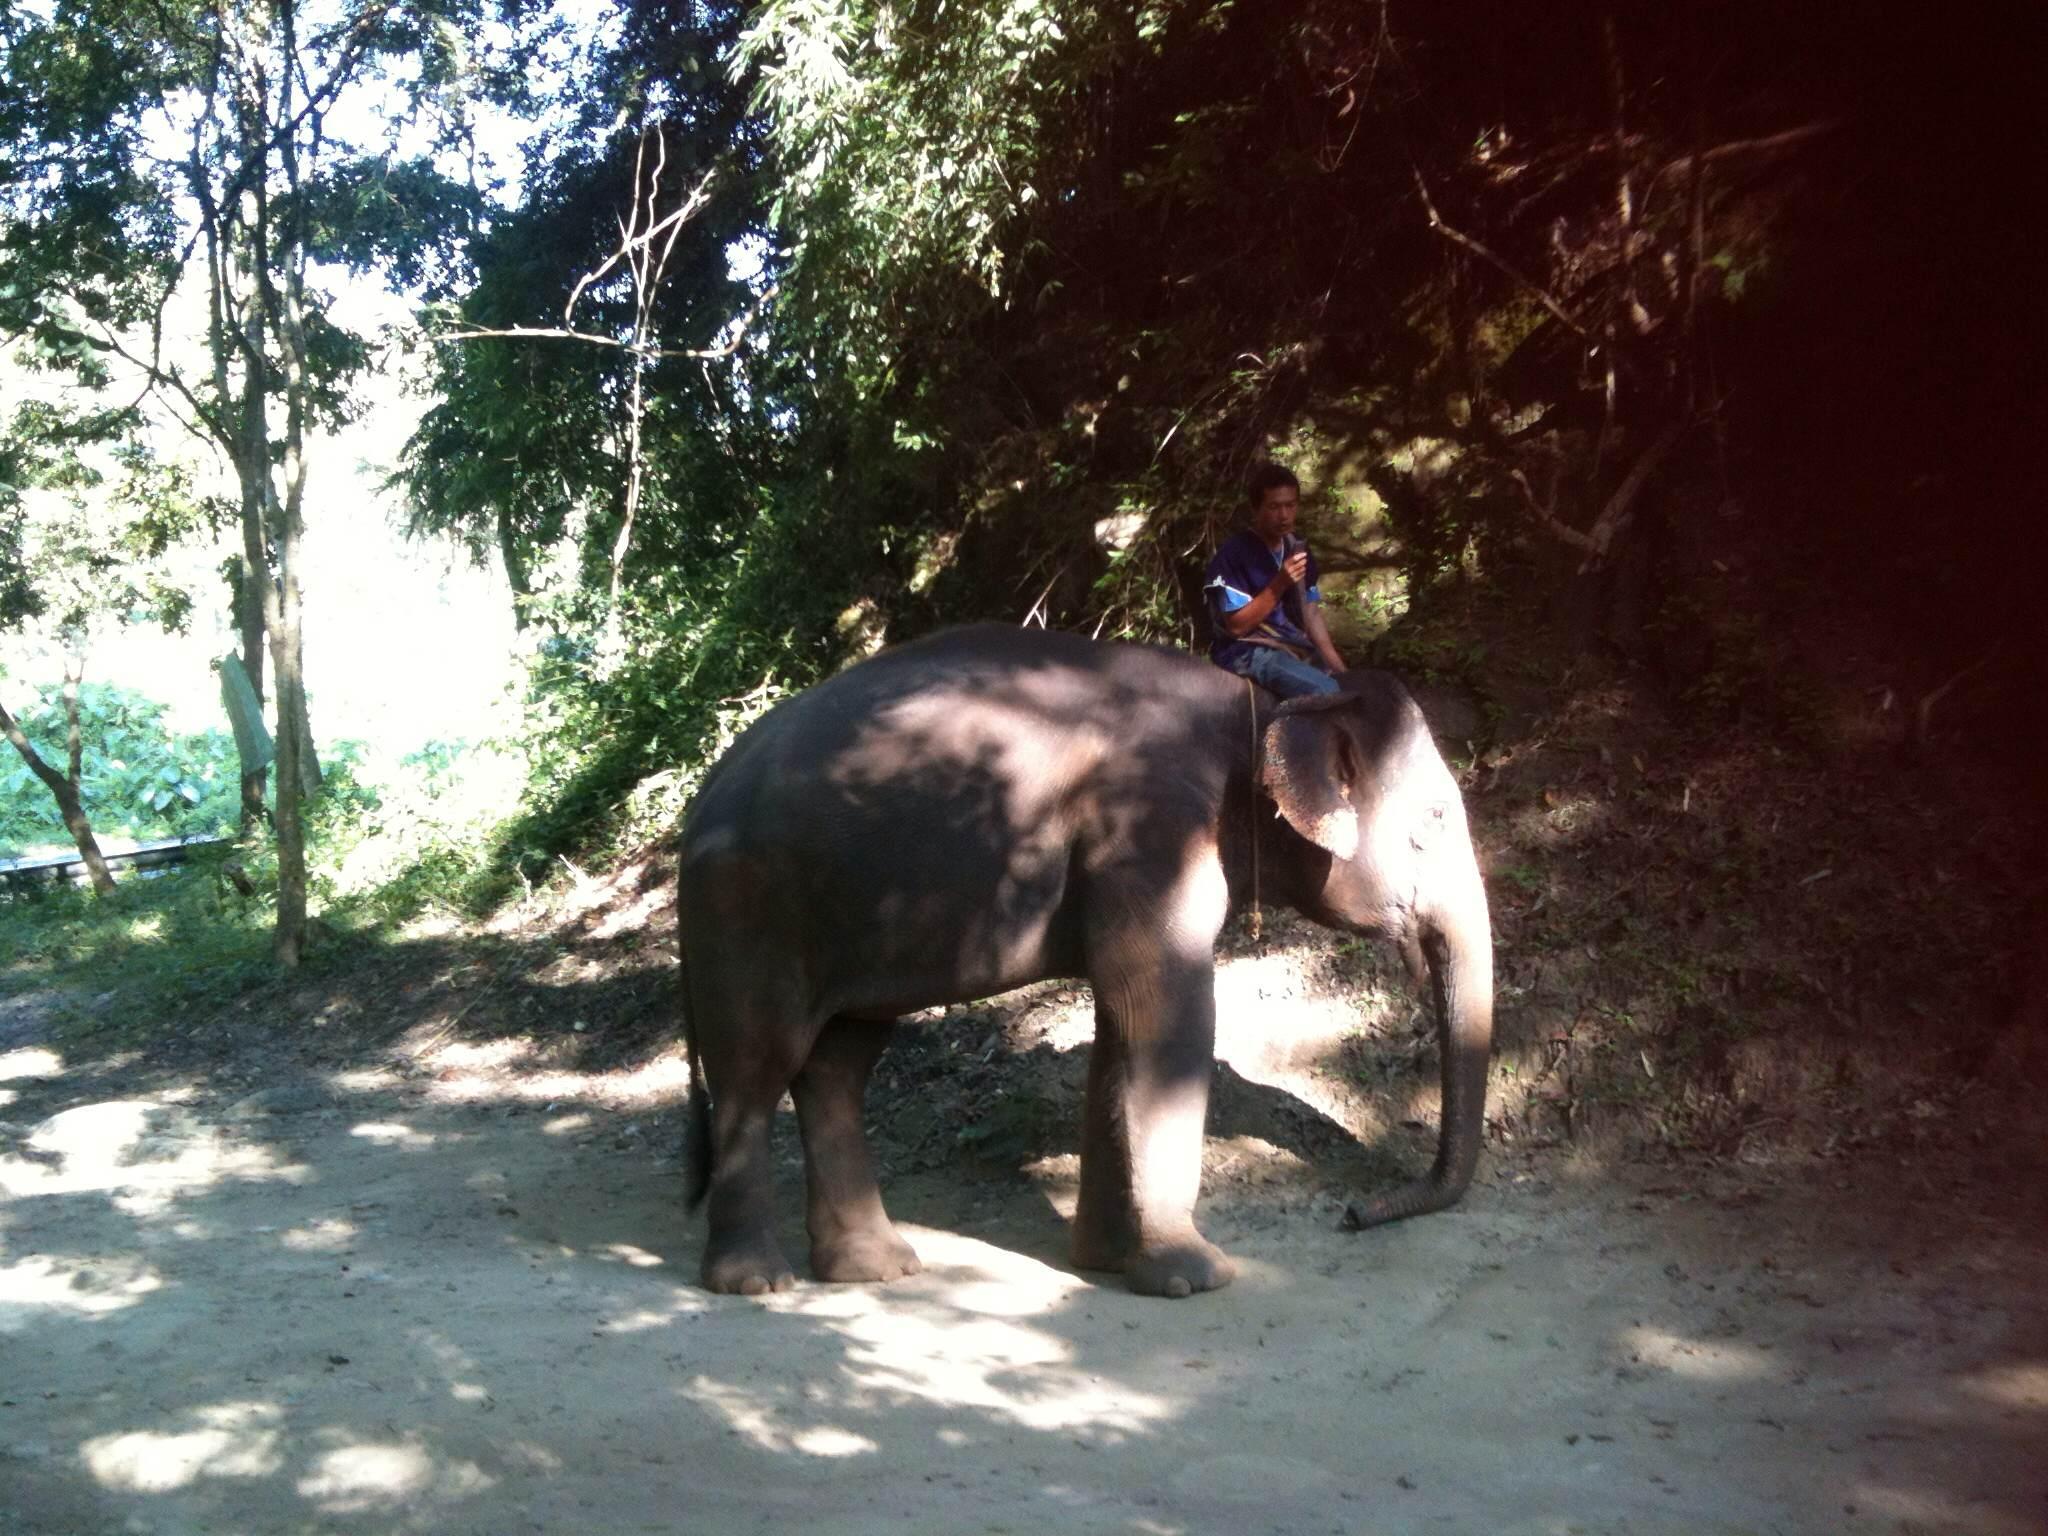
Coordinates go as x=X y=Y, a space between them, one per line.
x=747 y=1069
x=852 y=1237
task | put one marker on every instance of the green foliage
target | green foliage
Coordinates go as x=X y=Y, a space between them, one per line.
x=907 y=151
x=186 y=940
x=138 y=778
x=152 y=951
x=1048 y=279
x=405 y=219
x=704 y=652
x=88 y=516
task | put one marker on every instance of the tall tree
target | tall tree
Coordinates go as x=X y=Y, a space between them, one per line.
x=592 y=398
x=239 y=146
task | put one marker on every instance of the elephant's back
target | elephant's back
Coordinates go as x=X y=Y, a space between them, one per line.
x=984 y=714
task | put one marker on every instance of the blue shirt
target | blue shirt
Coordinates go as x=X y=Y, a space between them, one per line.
x=1238 y=572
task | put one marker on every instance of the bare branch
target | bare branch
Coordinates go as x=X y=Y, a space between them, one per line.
x=1923 y=712
x=562 y=333
x=1734 y=148
x=1549 y=519
x=158 y=377
x=1621 y=505
x=1457 y=237
x=630 y=243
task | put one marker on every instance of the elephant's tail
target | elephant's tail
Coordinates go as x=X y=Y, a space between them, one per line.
x=697 y=1138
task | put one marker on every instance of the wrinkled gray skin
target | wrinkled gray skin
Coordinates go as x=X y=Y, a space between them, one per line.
x=994 y=806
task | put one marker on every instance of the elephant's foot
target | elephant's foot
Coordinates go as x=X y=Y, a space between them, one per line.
x=1097 y=1248
x=1104 y=1236
x=864 y=1254
x=1179 y=1266
x=746 y=1264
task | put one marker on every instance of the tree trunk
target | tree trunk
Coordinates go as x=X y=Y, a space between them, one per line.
x=297 y=774
x=65 y=791
x=289 y=939
x=517 y=573
x=252 y=469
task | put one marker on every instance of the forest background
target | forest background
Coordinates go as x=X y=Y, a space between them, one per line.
x=1665 y=382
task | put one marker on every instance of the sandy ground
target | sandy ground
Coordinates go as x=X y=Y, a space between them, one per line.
x=464 y=1302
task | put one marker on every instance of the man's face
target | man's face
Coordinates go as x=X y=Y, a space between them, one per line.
x=1273 y=518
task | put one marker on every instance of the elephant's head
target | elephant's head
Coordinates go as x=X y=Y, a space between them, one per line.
x=1382 y=847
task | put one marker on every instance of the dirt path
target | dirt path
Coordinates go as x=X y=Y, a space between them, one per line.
x=363 y=1303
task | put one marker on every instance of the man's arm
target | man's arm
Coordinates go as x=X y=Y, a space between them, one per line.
x=1242 y=621
x=1319 y=633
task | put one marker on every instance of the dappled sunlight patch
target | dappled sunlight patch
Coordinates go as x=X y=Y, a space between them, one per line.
x=2022 y=1386
x=568 y=1125
x=457 y=1365
x=41 y=1285
x=759 y=1423
x=327 y=1236
x=832 y=1442
x=143 y=1154
x=648 y=1319
x=1695 y=1359
x=30 y=1061
x=950 y=1339
x=231 y=1440
x=627 y=1253
x=1271 y=1019
x=365 y=1081
x=634 y=916
x=465 y=1055
x=662 y=1080
x=1561 y=818
x=1927 y=1509
x=434 y=923
x=1250 y=1159
x=534 y=1458
x=360 y=1478
x=997 y=1282
x=389 y=1133
x=1058 y=1178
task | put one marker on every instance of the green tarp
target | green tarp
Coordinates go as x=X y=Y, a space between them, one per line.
x=245 y=713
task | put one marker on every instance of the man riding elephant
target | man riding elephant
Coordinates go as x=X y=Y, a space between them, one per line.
x=1263 y=600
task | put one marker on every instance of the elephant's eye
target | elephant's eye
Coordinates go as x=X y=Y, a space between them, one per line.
x=1429 y=829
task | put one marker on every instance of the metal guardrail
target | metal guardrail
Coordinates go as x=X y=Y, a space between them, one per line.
x=69 y=869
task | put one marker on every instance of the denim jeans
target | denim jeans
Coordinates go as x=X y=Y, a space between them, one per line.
x=1279 y=673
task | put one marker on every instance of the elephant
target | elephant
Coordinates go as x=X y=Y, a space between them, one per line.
x=991 y=806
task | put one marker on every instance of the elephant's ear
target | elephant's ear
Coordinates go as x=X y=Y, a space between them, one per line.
x=1310 y=770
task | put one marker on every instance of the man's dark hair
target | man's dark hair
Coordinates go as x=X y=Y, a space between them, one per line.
x=1265 y=477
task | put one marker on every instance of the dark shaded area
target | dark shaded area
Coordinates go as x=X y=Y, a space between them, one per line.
x=1773 y=239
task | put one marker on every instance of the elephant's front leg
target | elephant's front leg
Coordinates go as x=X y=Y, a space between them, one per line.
x=1141 y=1145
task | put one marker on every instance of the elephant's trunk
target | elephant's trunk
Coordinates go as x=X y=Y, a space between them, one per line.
x=1459 y=947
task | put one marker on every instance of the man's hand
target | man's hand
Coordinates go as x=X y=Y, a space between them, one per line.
x=1293 y=572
